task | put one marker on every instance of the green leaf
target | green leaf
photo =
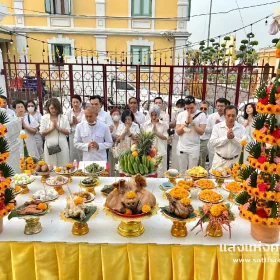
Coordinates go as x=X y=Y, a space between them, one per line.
x=261 y=91
x=246 y=172
x=253 y=206
x=166 y=212
x=259 y=121
x=8 y=196
x=15 y=214
x=6 y=170
x=3 y=117
x=272 y=183
x=4 y=146
x=254 y=148
x=272 y=99
x=274 y=210
x=254 y=179
x=242 y=198
x=273 y=123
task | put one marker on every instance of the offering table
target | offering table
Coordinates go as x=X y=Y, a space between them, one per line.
x=103 y=254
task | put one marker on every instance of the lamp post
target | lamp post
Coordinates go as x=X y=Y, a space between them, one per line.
x=209 y=24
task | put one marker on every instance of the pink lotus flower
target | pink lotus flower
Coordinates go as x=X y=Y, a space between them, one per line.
x=268 y=89
x=246 y=206
x=277 y=187
x=262 y=187
x=263 y=130
x=264 y=100
x=2 y=179
x=278 y=89
x=248 y=181
x=278 y=101
x=276 y=133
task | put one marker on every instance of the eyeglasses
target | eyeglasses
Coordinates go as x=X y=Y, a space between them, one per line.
x=203 y=109
x=30 y=106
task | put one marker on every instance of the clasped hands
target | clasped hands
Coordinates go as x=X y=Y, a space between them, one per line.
x=93 y=145
x=230 y=134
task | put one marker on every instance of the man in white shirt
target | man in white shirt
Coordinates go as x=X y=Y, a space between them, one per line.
x=213 y=119
x=225 y=139
x=9 y=112
x=190 y=126
x=133 y=106
x=103 y=116
x=164 y=117
x=93 y=137
x=204 y=139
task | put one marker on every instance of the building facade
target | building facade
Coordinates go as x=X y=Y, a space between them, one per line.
x=140 y=31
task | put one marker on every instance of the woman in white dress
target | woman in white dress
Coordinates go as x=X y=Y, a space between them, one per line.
x=116 y=117
x=32 y=111
x=249 y=113
x=160 y=128
x=30 y=126
x=127 y=131
x=55 y=127
x=75 y=115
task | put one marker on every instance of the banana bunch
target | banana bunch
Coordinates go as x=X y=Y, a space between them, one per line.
x=136 y=165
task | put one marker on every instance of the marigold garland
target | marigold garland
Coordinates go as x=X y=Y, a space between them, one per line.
x=255 y=219
x=4 y=184
x=146 y=208
x=3 y=130
x=266 y=195
x=271 y=168
x=4 y=157
x=268 y=109
x=265 y=138
x=8 y=208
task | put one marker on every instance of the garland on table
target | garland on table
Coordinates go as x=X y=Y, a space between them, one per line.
x=26 y=162
x=7 y=198
x=237 y=167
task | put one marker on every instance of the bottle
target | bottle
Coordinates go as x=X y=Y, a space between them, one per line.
x=75 y=164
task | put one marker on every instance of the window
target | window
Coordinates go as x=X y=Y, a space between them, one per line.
x=121 y=85
x=58 y=50
x=59 y=7
x=141 y=55
x=141 y=8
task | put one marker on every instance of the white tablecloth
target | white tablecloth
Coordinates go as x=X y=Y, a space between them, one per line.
x=104 y=230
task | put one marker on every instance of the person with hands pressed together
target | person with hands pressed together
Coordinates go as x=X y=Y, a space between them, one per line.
x=30 y=126
x=190 y=126
x=127 y=130
x=74 y=115
x=55 y=127
x=226 y=138
x=160 y=128
x=93 y=137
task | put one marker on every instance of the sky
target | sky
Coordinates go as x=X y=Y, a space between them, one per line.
x=198 y=26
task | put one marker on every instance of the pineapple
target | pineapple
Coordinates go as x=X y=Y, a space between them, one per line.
x=145 y=141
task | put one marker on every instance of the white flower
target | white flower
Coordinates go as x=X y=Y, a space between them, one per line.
x=22 y=132
x=273 y=80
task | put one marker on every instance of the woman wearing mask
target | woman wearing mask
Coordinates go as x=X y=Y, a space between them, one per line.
x=160 y=128
x=248 y=116
x=114 y=151
x=127 y=131
x=30 y=127
x=32 y=111
x=74 y=116
x=55 y=127
x=180 y=104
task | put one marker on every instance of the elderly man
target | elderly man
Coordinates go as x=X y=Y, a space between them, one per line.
x=133 y=106
x=225 y=139
x=9 y=112
x=93 y=137
x=190 y=126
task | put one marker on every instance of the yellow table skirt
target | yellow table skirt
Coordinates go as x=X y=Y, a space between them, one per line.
x=66 y=261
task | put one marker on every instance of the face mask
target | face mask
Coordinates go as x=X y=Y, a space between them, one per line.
x=180 y=110
x=30 y=109
x=116 y=118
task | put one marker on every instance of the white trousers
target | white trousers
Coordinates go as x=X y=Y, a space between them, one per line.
x=163 y=167
x=211 y=153
x=187 y=161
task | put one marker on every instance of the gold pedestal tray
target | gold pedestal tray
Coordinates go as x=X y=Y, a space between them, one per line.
x=214 y=231
x=33 y=225
x=220 y=179
x=59 y=190
x=25 y=189
x=172 y=179
x=179 y=228
x=80 y=228
x=130 y=227
x=91 y=188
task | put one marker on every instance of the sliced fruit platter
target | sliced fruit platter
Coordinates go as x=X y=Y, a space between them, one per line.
x=66 y=169
x=205 y=184
x=210 y=196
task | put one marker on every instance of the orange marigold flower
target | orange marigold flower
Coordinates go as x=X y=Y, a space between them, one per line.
x=272 y=168
x=146 y=208
x=128 y=211
x=130 y=195
x=78 y=200
x=23 y=135
x=42 y=206
x=243 y=142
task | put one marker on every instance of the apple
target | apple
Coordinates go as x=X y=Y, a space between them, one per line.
x=152 y=153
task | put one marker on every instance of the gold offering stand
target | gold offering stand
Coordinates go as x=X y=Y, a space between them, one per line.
x=78 y=228
x=68 y=175
x=220 y=179
x=24 y=187
x=172 y=179
x=91 y=188
x=45 y=175
x=57 y=187
x=179 y=228
x=130 y=226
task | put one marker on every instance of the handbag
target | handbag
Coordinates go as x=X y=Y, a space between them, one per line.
x=54 y=149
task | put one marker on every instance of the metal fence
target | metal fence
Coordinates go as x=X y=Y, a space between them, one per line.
x=116 y=83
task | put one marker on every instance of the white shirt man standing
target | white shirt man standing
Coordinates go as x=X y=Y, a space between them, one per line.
x=93 y=137
x=9 y=112
x=213 y=119
x=190 y=126
x=204 y=139
x=225 y=139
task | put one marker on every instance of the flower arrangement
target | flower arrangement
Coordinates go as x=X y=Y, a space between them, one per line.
x=260 y=198
x=142 y=158
x=26 y=162
x=217 y=216
x=7 y=197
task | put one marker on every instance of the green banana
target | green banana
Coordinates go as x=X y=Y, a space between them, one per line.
x=141 y=169
x=146 y=169
x=135 y=167
x=130 y=168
